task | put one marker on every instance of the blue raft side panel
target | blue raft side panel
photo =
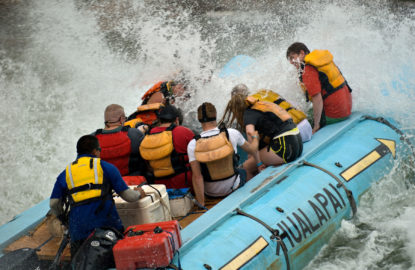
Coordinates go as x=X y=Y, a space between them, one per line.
x=237 y=66
x=313 y=206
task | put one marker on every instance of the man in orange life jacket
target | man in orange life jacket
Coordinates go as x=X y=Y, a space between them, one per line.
x=87 y=183
x=160 y=94
x=323 y=84
x=165 y=149
x=119 y=143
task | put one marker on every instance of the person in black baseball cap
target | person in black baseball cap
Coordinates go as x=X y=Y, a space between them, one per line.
x=165 y=150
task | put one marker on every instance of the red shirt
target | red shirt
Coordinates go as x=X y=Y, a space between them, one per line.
x=181 y=138
x=336 y=105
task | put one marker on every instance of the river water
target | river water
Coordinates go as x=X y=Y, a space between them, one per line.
x=63 y=62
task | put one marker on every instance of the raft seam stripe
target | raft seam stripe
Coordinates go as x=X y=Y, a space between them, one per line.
x=246 y=255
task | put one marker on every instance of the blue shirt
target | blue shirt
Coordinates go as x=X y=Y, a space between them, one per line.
x=83 y=219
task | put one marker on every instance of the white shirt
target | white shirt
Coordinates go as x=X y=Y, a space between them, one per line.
x=224 y=187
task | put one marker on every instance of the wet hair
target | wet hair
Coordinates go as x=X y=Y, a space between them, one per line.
x=235 y=111
x=296 y=48
x=87 y=144
x=206 y=112
x=240 y=89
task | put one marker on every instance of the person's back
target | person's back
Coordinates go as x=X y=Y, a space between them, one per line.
x=212 y=156
x=299 y=117
x=87 y=184
x=119 y=143
x=165 y=149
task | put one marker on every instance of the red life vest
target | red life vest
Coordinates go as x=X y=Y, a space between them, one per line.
x=116 y=148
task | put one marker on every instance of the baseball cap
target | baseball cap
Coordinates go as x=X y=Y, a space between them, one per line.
x=169 y=112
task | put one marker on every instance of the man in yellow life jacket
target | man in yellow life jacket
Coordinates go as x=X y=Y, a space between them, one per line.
x=120 y=143
x=212 y=156
x=87 y=185
x=165 y=149
x=323 y=84
x=299 y=117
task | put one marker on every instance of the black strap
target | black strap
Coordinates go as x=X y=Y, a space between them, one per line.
x=275 y=234
x=333 y=90
x=349 y=193
x=386 y=122
x=205 y=118
x=85 y=187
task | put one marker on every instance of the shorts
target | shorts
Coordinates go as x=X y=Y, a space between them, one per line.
x=242 y=177
x=287 y=145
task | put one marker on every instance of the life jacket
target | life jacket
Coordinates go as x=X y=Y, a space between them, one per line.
x=271 y=96
x=147 y=113
x=163 y=86
x=216 y=156
x=116 y=148
x=85 y=181
x=274 y=121
x=330 y=77
x=134 y=123
x=158 y=150
x=266 y=106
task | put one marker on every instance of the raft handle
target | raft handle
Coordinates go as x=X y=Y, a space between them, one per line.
x=339 y=184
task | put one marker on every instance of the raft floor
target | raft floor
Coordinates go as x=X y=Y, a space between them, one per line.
x=41 y=234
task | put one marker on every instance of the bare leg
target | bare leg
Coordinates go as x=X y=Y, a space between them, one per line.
x=270 y=158
x=250 y=168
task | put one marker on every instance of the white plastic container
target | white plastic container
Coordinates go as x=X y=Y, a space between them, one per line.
x=149 y=209
x=180 y=205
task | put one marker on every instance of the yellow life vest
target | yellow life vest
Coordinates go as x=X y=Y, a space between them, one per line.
x=133 y=123
x=85 y=180
x=216 y=156
x=271 y=96
x=266 y=106
x=158 y=150
x=322 y=60
x=150 y=107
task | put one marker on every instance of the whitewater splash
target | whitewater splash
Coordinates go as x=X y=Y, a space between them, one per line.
x=77 y=58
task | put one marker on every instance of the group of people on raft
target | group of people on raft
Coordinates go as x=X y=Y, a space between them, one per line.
x=152 y=142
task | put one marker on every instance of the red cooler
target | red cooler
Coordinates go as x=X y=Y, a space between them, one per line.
x=148 y=245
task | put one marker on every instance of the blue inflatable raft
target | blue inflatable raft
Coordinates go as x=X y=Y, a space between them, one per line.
x=282 y=217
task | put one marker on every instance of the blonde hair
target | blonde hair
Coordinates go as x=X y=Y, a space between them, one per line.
x=235 y=111
x=240 y=89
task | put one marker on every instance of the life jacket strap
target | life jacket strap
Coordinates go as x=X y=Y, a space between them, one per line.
x=85 y=188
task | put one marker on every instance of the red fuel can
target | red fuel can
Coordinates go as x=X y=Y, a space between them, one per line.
x=148 y=245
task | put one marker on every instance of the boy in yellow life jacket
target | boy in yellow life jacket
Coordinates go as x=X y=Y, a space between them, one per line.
x=323 y=84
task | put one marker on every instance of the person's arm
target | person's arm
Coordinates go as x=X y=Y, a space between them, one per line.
x=251 y=146
x=251 y=133
x=317 y=101
x=197 y=180
x=132 y=195
x=56 y=207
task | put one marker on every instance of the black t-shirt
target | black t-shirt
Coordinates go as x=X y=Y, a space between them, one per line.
x=267 y=123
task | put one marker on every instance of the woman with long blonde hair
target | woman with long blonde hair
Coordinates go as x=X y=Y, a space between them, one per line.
x=280 y=139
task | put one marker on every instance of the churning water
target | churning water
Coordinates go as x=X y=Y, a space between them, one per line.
x=63 y=62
